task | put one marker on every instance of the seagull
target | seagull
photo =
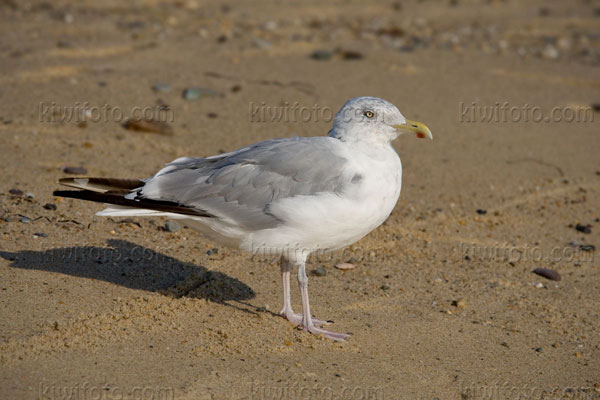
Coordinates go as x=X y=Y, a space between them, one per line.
x=288 y=197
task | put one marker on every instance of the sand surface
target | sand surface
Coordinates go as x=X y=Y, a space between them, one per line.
x=442 y=302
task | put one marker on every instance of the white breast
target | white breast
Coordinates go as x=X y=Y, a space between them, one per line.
x=330 y=221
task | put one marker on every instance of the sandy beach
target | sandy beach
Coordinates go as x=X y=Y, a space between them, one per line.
x=442 y=302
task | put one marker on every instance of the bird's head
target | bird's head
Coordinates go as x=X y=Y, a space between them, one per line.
x=373 y=119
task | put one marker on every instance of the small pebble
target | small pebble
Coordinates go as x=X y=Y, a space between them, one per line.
x=16 y=192
x=550 y=52
x=262 y=43
x=481 y=211
x=345 y=266
x=460 y=303
x=587 y=247
x=212 y=115
x=384 y=287
x=548 y=274
x=539 y=349
x=538 y=285
x=50 y=206
x=148 y=125
x=319 y=271
x=321 y=55
x=236 y=88
x=161 y=88
x=350 y=55
x=75 y=170
x=25 y=220
x=172 y=226
x=584 y=228
x=196 y=93
x=30 y=195
x=40 y=234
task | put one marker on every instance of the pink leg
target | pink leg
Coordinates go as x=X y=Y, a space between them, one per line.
x=307 y=321
x=287 y=311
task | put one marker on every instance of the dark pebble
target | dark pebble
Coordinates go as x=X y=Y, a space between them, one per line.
x=212 y=115
x=40 y=234
x=321 y=55
x=350 y=55
x=584 y=228
x=481 y=211
x=319 y=271
x=16 y=192
x=587 y=247
x=596 y=106
x=539 y=349
x=75 y=170
x=547 y=273
x=236 y=88
x=25 y=220
x=384 y=287
x=172 y=226
x=50 y=206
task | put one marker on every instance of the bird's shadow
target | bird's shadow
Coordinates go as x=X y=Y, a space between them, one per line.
x=130 y=265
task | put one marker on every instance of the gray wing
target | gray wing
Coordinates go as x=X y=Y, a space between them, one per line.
x=240 y=186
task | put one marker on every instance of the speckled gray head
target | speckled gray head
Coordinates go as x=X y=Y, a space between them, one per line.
x=375 y=120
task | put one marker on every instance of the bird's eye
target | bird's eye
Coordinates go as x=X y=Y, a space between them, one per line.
x=369 y=114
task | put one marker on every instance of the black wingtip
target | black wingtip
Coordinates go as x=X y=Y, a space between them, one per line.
x=117 y=198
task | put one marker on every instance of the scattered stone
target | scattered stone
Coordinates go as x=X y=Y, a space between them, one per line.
x=584 y=228
x=196 y=93
x=236 y=88
x=539 y=349
x=75 y=170
x=321 y=55
x=538 y=285
x=384 y=287
x=212 y=115
x=50 y=206
x=481 y=211
x=587 y=247
x=547 y=273
x=30 y=195
x=350 y=54
x=460 y=303
x=262 y=43
x=148 y=125
x=16 y=192
x=319 y=271
x=172 y=226
x=345 y=266
x=596 y=108
x=25 y=220
x=40 y=234
x=161 y=88
x=550 y=52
